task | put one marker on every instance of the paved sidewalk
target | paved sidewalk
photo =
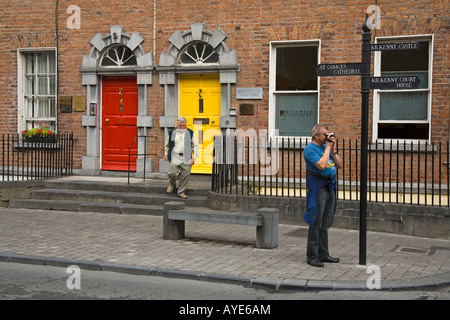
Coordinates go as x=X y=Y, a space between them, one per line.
x=218 y=252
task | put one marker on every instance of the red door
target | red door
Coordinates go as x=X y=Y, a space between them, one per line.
x=119 y=122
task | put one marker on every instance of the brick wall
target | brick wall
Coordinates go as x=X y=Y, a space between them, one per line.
x=249 y=25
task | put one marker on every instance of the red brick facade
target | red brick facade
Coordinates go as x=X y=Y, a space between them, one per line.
x=249 y=26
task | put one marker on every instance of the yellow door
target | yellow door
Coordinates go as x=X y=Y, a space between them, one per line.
x=200 y=105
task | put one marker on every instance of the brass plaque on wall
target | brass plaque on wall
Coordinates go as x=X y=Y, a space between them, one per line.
x=246 y=108
x=78 y=104
x=65 y=104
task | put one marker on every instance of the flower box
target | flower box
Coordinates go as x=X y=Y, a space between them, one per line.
x=42 y=133
x=36 y=139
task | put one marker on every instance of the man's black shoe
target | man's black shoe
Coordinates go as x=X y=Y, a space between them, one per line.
x=330 y=259
x=315 y=263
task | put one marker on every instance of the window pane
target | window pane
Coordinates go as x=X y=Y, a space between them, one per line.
x=42 y=85
x=405 y=60
x=30 y=105
x=129 y=58
x=52 y=85
x=41 y=62
x=296 y=114
x=30 y=63
x=185 y=59
x=403 y=130
x=403 y=105
x=29 y=90
x=41 y=108
x=296 y=68
x=107 y=61
x=52 y=110
x=51 y=62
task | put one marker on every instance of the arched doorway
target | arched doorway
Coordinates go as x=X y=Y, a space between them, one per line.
x=121 y=57
x=200 y=105
x=192 y=55
x=119 y=123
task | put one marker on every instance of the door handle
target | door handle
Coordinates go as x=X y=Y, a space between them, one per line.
x=106 y=120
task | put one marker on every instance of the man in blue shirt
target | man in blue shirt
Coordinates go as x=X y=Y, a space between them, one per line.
x=322 y=160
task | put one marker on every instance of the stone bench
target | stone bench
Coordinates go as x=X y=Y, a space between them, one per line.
x=265 y=220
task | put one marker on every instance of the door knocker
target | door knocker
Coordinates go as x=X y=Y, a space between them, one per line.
x=200 y=101
x=121 y=99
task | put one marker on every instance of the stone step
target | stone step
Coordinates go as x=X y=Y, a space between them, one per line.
x=153 y=187
x=114 y=197
x=94 y=194
x=83 y=206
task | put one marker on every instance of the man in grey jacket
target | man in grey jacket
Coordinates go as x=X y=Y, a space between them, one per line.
x=181 y=150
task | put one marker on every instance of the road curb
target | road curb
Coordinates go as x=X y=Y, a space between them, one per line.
x=272 y=284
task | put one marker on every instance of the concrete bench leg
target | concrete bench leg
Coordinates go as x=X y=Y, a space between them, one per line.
x=267 y=234
x=172 y=229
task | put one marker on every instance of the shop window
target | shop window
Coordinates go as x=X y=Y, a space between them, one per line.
x=294 y=88
x=37 y=89
x=403 y=114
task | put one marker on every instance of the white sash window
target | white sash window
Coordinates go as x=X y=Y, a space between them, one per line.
x=37 y=89
x=404 y=114
x=294 y=88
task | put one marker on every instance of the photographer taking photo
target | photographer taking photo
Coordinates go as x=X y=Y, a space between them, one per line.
x=322 y=159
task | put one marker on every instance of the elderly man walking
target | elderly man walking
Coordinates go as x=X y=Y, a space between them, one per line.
x=181 y=150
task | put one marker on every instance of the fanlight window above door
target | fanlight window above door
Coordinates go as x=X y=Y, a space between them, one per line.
x=198 y=52
x=118 y=56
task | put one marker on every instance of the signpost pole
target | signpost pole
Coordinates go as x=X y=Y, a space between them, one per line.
x=365 y=91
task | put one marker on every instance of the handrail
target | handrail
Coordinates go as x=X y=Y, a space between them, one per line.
x=139 y=154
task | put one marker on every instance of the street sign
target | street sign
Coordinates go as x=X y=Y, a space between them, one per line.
x=368 y=83
x=403 y=82
x=338 y=69
x=395 y=46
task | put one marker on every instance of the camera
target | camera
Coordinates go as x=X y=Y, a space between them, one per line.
x=329 y=136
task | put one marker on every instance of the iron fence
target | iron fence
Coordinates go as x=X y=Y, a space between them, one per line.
x=36 y=159
x=398 y=172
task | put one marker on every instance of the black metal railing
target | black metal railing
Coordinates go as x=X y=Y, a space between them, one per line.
x=37 y=158
x=398 y=172
x=132 y=157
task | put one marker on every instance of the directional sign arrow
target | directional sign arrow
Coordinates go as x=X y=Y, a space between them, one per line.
x=338 y=69
x=395 y=46
x=402 y=82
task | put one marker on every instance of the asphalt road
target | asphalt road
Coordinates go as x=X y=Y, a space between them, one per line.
x=36 y=282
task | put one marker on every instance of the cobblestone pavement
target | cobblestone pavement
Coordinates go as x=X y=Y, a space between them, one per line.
x=221 y=250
